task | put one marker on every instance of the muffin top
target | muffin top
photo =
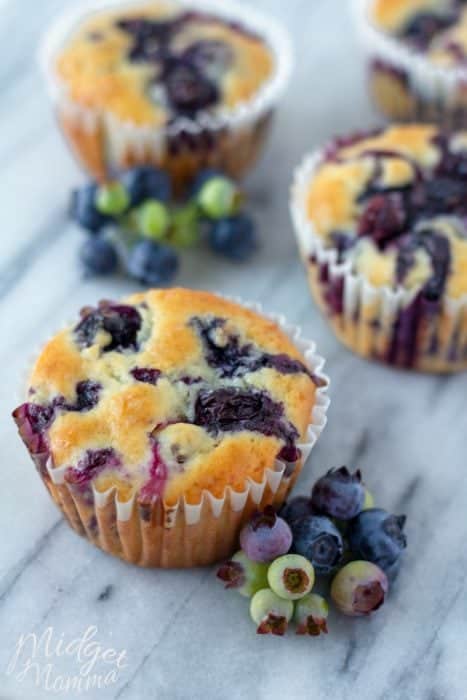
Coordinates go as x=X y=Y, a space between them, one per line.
x=168 y=393
x=437 y=28
x=150 y=64
x=393 y=204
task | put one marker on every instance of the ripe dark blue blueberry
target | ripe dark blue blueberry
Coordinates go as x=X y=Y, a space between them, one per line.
x=98 y=256
x=339 y=494
x=318 y=539
x=234 y=237
x=266 y=536
x=152 y=263
x=296 y=508
x=377 y=536
x=83 y=209
x=146 y=182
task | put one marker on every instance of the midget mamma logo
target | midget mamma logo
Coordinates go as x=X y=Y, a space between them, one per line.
x=37 y=660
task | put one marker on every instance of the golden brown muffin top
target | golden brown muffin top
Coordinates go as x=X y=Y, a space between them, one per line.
x=157 y=61
x=168 y=392
x=394 y=206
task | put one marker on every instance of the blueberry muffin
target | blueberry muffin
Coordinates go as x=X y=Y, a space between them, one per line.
x=168 y=83
x=417 y=57
x=381 y=220
x=158 y=423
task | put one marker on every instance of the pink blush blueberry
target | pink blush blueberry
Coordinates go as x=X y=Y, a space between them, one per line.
x=266 y=536
x=359 y=588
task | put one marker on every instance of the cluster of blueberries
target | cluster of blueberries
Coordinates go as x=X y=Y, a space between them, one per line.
x=133 y=221
x=336 y=532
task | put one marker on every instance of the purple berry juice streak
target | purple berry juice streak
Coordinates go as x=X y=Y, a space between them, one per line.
x=158 y=474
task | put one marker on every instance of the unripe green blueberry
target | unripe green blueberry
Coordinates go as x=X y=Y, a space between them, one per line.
x=185 y=227
x=369 y=501
x=218 y=198
x=310 y=615
x=271 y=613
x=112 y=199
x=243 y=575
x=291 y=576
x=154 y=219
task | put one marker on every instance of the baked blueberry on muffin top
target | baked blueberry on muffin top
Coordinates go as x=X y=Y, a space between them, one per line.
x=438 y=28
x=153 y=63
x=166 y=394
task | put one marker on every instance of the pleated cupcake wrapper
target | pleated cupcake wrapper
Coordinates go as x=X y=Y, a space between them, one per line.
x=186 y=534
x=435 y=87
x=369 y=312
x=122 y=137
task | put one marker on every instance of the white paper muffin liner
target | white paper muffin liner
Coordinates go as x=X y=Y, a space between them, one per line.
x=435 y=92
x=366 y=324
x=169 y=535
x=151 y=144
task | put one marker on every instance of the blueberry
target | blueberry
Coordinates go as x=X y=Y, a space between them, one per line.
x=218 y=197
x=296 y=508
x=210 y=56
x=98 y=256
x=83 y=209
x=359 y=588
x=148 y=375
x=153 y=219
x=266 y=536
x=271 y=613
x=185 y=228
x=112 y=199
x=33 y=420
x=146 y=182
x=384 y=217
x=189 y=90
x=339 y=494
x=93 y=463
x=152 y=263
x=318 y=539
x=369 y=501
x=202 y=177
x=120 y=321
x=291 y=576
x=311 y=613
x=234 y=237
x=377 y=536
x=230 y=409
x=87 y=395
x=243 y=575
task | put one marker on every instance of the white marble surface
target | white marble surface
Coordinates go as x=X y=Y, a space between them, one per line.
x=184 y=637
